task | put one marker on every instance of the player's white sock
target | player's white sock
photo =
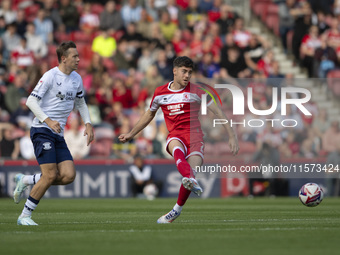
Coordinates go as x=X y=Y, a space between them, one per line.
x=31 y=179
x=178 y=208
x=29 y=207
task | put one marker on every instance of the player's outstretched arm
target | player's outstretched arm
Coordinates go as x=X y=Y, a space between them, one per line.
x=141 y=124
x=233 y=142
x=80 y=104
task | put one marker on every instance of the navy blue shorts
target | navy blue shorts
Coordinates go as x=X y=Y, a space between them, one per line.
x=49 y=147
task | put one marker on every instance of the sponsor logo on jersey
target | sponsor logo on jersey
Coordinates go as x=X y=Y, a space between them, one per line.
x=47 y=146
x=61 y=96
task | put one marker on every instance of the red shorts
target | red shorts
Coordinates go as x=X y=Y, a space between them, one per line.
x=193 y=144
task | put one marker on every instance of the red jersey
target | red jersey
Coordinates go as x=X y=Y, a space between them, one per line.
x=180 y=107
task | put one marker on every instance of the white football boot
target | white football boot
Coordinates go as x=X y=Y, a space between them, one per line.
x=192 y=185
x=19 y=188
x=169 y=217
x=26 y=221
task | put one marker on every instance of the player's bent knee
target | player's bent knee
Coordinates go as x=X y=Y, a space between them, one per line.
x=70 y=178
x=49 y=177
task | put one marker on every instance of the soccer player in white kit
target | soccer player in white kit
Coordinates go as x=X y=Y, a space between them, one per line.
x=52 y=100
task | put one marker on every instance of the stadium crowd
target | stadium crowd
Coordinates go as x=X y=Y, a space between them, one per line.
x=126 y=50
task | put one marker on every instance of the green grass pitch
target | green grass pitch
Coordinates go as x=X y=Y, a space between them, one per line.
x=212 y=226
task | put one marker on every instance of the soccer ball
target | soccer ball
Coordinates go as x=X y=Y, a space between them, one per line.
x=311 y=194
x=150 y=191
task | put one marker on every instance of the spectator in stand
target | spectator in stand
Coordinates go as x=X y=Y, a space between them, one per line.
x=125 y=151
x=21 y=22
x=241 y=36
x=167 y=27
x=131 y=12
x=122 y=94
x=255 y=50
x=9 y=145
x=163 y=65
x=226 y=20
x=94 y=110
x=192 y=14
x=74 y=137
x=152 y=10
x=22 y=117
x=145 y=61
x=309 y=44
x=111 y=19
x=94 y=71
x=179 y=42
x=321 y=21
x=329 y=138
x=134 y=40
x=196 y=46
x=15 y=92
x=35 y=42
x=26 y=146
x=325 y=59
x=173 y=10
x=123 y=58
x=53 y=14
x=10 y=39
x=332 y=35
x=207 y=67
x=141 y=176
x=2 y=26
x=104 y=44
x=144 y=25
x=69 y=15
x=7 y=11
x=286 y=20
x=149 y=83
x=22 y=56
x=265 y=64
x=276 y=74
x=43 y=26
x=233 y=64
x=143 y=146
x=89 y=21
x=303 y=20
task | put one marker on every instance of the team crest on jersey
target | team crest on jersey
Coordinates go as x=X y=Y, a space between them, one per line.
x=186 y=97
x=74 y=84
x=47 y=146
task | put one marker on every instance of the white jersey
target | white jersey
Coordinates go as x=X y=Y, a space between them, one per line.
x=56 y=93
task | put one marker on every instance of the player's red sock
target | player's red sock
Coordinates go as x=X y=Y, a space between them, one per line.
x=183 y=195
x=182 y=165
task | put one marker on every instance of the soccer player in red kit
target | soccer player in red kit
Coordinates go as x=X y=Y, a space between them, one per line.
x=180 y=101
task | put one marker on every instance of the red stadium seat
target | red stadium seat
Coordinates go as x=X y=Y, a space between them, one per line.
x=97 y=9
x=52 y=50
x=80 y=36
x=62 y=37
x=32 y=10
x=259 y=6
